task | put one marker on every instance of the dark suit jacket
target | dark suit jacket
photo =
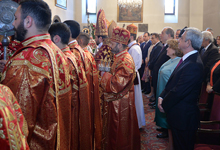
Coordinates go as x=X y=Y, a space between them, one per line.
x=154 y=55
x=180 y=95
x=142 y=45
x=144 y=50
x=160 y=60
x=209 y=58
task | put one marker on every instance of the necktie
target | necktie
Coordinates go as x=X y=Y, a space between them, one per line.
x=162 y=48
x=202 y=52
x=144 y=45
x=181 y=60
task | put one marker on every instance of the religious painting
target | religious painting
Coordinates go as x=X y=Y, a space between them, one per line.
x=130 y=14
x=61 y=3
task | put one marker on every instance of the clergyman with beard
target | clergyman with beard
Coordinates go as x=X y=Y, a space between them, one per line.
x=120 y=126
x=38 y=76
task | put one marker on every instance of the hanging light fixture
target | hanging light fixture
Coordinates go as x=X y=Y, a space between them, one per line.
x=130 y=3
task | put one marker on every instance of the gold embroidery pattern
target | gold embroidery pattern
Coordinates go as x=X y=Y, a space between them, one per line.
x=14 y=136
x=18 y=114
x=3 y=76
x=1 y=131
x=2 y=103
x=56 y=76
x=52 y=92
x=16 y=106
x=31 y=66
x=73 y=60
x=64 y=91
x=83 y=85
x=21 y=56
x=40 y=57
x=76 y=87
x=25 y=43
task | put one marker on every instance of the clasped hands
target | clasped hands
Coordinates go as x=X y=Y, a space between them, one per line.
x=159 y=105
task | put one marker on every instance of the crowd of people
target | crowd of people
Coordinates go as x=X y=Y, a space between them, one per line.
x=56 y=93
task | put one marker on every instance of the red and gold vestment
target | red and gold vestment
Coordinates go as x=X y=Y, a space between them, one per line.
x=104 y=54
x=93 y=131
x=92 y=76
x=120 y=126
x=13 y=127
x=80 y=103
x=38 y=75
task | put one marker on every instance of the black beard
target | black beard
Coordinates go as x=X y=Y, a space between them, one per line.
x=20 y=32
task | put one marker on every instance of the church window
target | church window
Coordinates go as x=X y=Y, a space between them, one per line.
x=169 y=7
x=91 y=6
x=171 y=11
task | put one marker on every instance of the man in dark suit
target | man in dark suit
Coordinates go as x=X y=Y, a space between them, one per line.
x=144 y=48
x=209 y=53
x=157 y=46
x=179 y=98
x=166 y=34
x=155 y=51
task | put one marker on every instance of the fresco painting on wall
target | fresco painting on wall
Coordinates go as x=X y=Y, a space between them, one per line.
x=61 y=3
x=130 y=14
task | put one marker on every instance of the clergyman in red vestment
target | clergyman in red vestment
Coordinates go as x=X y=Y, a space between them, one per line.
x=60 y=34
x=120 y=126
x=83 y=40
x=38 y=75
x=13 y=126
x=104 y=54
x=94 y=122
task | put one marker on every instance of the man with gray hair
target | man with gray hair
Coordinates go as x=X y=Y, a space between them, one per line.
x=209 y=53
x=179 y=98
x=214 y=40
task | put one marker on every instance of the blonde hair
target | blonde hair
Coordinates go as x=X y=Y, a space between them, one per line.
x=173 y=43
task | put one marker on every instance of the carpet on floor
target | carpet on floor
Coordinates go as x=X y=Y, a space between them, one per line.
x=149 y=141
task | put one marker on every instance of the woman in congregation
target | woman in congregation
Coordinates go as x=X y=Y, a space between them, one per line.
x=164 y=73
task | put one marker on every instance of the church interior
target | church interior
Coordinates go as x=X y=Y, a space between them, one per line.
x=201 y=14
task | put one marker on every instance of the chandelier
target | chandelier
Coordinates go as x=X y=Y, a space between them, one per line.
x=130 y=3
